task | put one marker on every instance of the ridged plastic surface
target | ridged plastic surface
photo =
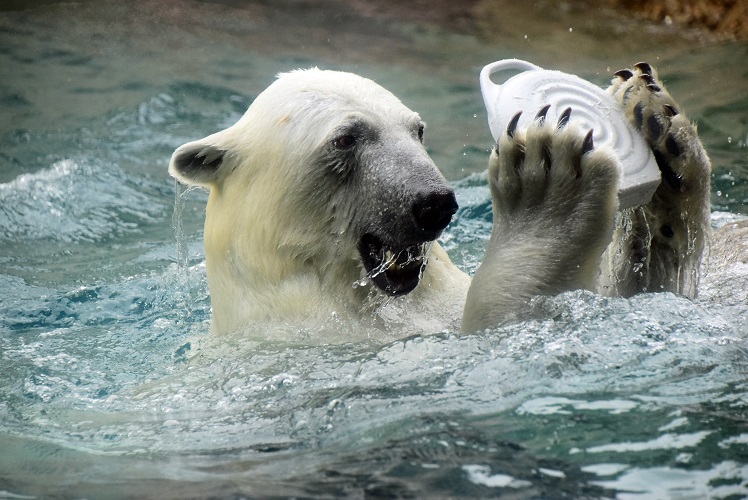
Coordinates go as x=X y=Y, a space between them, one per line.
x=592 y=108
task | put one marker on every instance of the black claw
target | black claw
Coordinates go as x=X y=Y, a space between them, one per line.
x=644 y=67
x=512 y=127
x=540 y=117
x=624 y=74
x=563 y=119
x=671 y=145
x=639 y=114
x=588 y=144
x=669 y=111
x=647 y=78
x=654 y=87
x=655 y=129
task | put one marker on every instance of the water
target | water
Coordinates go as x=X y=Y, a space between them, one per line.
x=110 y=385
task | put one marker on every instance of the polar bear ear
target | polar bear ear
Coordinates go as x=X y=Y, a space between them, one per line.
x=197 y=163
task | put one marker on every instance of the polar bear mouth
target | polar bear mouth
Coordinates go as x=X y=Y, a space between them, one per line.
x=394 y=270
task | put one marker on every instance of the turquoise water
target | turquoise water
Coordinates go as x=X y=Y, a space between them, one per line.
x=110 y=385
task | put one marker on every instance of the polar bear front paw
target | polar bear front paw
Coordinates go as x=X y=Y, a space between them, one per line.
x=554 y=202
x=662 y=245
x=682 y=160
x=550 y=179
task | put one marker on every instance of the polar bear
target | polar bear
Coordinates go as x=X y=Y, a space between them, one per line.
x=324 y=204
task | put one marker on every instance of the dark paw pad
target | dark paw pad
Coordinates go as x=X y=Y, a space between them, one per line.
x=668 y=174
x=654 y=128
x=639 y=114
x=672 y=147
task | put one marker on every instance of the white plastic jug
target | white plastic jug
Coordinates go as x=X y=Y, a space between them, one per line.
x=592 y=108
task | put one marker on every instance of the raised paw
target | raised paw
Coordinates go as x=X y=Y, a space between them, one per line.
x=672 y=137
x=664 y=239
x=551 y=183
x=552 y=175
x=554 y=203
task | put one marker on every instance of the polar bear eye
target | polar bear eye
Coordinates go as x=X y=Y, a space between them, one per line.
x=420 y=133
x=345 y=142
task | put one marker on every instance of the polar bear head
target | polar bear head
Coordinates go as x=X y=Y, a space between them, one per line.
x=323 y=181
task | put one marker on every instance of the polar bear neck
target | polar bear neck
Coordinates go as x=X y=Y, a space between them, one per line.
x=268 y=272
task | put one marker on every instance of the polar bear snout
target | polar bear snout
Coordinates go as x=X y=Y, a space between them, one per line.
x=434 y=211
x=396 y=265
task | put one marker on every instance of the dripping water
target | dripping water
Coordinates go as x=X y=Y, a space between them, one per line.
x=182 y=290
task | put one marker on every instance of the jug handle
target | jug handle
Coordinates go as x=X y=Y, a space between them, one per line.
x=491 y=90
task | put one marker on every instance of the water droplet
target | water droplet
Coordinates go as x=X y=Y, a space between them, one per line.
x=570 y=30
x=729 y=140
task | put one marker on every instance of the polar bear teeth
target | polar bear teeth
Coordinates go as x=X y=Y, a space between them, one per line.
x=394 y=270
x=402 y=260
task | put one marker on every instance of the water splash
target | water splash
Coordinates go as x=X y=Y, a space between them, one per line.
x=75 y=201
x=183 y=289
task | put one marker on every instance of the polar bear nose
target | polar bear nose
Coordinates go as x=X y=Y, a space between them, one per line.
x=434 y=211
